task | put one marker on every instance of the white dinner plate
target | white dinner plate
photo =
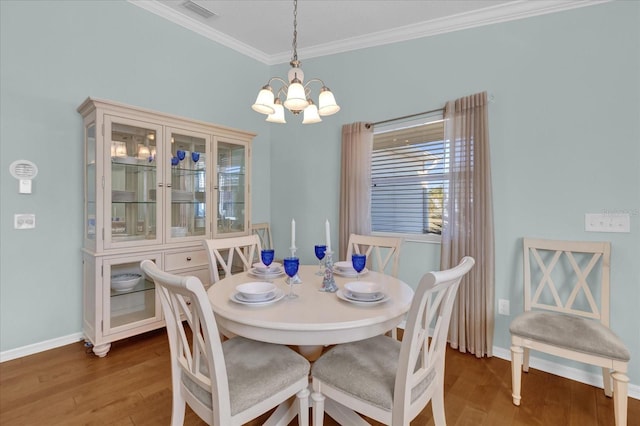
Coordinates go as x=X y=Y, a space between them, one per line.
x=237 y=297
x=342 y=296
x=349 y=274
x=373 y=297
x=259 y=266
x=273 y=274
x=344 y=265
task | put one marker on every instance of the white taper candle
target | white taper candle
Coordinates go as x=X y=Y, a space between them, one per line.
x=327 y=231
x=293 y=232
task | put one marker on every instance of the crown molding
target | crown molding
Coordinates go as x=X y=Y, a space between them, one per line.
x=519 y=9
x=170 y=14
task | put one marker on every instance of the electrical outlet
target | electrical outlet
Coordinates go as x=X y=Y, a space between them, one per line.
x=596 y=222
x=24 y=221
x=503 y=307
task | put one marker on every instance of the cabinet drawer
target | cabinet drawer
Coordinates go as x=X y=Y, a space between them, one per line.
x=202 y=274
x=185 y=259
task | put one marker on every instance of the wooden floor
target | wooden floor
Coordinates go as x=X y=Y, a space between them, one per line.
x=131 y=386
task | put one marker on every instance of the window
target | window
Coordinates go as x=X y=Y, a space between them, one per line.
x=408 y=176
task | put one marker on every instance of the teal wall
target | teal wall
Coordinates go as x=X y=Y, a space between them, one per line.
x=54 y=54
x=564 y=128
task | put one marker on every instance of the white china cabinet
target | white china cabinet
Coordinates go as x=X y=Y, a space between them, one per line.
x=155 y=186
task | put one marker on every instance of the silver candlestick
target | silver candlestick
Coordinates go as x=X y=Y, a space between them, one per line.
x=328 y=282
x=295 y=279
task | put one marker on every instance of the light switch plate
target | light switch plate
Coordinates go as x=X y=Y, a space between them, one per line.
x=606 y=222
x=24 y=221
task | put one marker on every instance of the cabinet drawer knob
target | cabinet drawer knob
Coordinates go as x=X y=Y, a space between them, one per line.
x=188 y=258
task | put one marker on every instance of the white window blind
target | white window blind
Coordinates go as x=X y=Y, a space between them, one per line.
x=408 y=177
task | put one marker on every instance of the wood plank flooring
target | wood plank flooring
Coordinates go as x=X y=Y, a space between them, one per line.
x=131 y=386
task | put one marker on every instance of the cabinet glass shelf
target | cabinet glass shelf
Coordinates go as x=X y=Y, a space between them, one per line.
x=133 y=202
x=141 y=164
x=143 y=285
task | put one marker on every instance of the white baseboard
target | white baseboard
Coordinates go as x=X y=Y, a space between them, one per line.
x=40 y=347
x=564 y=371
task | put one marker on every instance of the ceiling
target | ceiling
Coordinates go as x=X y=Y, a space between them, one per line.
x=263 y=29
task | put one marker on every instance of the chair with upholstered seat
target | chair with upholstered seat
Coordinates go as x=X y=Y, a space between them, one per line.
x=566 y=313
x=231 y=255
x=383 y=253
x=391 y=381
x=228 y=383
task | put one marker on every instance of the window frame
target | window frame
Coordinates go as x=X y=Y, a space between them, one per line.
x=432 y=238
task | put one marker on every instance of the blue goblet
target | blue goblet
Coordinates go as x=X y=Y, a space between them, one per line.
x=291 y=265
x=175 y=161
x=180 y=154
x=320 y=251
x=195 y=156
x=267 y=256
x=358 y=261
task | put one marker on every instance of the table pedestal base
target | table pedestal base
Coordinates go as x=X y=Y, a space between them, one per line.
x=311 y=353
x=287 y=411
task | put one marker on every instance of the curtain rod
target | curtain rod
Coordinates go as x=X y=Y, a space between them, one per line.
x=368 y=125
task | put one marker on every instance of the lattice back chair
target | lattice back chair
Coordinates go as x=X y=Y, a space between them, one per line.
x=566 y=313
x=227 y=254
x=226 y=383
x=383 y=252
x=263 y=231
x=391 y=381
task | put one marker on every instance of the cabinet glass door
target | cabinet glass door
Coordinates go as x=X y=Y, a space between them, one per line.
x=133 y=178
x=231 y=185
x=129 y=296
x=188 y=196
x=90 y=171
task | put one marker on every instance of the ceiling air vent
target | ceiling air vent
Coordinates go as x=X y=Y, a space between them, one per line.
x=196 y=8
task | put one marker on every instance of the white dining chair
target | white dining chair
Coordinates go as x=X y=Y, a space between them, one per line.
x=263 y=231
x=230 y=255
x=566 y=314
x=383 y=253
x=225 y=383
x=391 y=381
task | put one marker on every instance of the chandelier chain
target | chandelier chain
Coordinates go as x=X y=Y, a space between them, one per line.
x=295 y=31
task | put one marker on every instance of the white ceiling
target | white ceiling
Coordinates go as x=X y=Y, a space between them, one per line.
x=263 y=29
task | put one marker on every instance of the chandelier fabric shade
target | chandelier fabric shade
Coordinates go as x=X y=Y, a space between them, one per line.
x=298 y=94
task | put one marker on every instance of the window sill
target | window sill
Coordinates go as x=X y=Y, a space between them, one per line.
x=414 y=238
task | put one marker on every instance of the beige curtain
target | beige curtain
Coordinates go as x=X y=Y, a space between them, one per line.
x=355 y=183
x=468 y=223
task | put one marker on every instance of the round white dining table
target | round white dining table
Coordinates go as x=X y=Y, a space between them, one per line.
x=311 y=321
x=314 y=319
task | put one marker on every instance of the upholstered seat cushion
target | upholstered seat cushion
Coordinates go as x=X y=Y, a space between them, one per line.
x=570 y=332
x=365 y=369
x=256 y=370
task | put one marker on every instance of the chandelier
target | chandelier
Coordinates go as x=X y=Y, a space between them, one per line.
x=298 y=94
